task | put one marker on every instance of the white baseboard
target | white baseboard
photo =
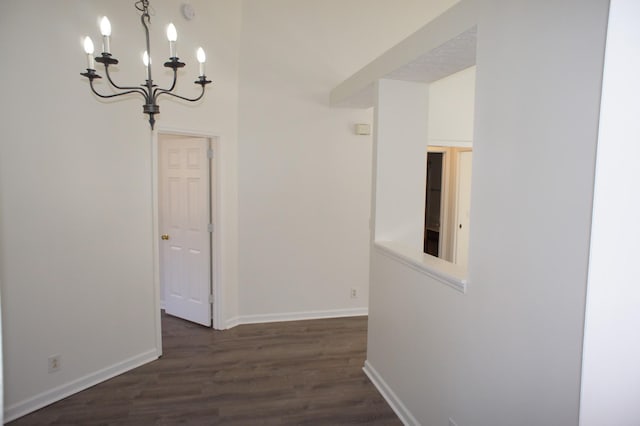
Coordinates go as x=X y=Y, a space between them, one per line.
x=231 y=322
x=392 y=399
x=29 y=405
x=295 y=316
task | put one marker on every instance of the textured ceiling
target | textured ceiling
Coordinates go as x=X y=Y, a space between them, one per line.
x=453 y=56
x=450 y=57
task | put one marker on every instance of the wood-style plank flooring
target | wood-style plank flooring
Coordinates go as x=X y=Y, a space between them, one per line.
x=288 y=373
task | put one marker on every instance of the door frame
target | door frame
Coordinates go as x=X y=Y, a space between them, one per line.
x=456 y=213
x=215 y=187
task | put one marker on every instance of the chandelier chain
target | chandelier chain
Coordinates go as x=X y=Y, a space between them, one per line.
x=143 y=6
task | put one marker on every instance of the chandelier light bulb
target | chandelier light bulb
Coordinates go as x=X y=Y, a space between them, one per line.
x=88 y=46
x=172 y=36
x=88 y=49
x=201 y=59
x=201 y=55
x=105 y=26
x=105 y=29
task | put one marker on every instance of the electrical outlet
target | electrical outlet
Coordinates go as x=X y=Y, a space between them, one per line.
x=354 y=293
x=54 y=363
x=451 y=422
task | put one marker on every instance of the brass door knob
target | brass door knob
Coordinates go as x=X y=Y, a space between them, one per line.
x=164 y=236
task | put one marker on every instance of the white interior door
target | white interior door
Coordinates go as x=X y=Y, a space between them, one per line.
x=184 y=220
x=463 y=207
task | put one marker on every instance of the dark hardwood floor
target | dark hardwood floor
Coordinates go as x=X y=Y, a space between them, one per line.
x=288 y=373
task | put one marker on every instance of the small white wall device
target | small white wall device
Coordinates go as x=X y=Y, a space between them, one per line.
x=362 y=129
x=188 y=12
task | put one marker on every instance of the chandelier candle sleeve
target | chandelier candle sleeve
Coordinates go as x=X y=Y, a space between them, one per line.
x=105 y=30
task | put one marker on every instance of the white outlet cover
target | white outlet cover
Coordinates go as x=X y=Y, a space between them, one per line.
x=54 y=363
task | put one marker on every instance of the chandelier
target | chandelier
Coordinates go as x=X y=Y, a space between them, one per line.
x=149 y=91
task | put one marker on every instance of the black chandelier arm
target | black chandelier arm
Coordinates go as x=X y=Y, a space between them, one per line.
x=166 y=92
x=133 y=90
x=158 y=90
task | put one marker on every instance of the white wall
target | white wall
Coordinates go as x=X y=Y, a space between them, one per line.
x=509 y=350
x=304 y=176
x=451 y=103
x=75 y=187
x=401 y=112
x=610 y=373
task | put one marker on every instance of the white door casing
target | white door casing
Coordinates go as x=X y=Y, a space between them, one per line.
x=463 y=207
x=184 y=210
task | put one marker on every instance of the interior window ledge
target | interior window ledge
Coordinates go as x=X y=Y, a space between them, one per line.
x=445 y=272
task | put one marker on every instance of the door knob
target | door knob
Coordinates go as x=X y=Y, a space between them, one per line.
x=164 y=236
